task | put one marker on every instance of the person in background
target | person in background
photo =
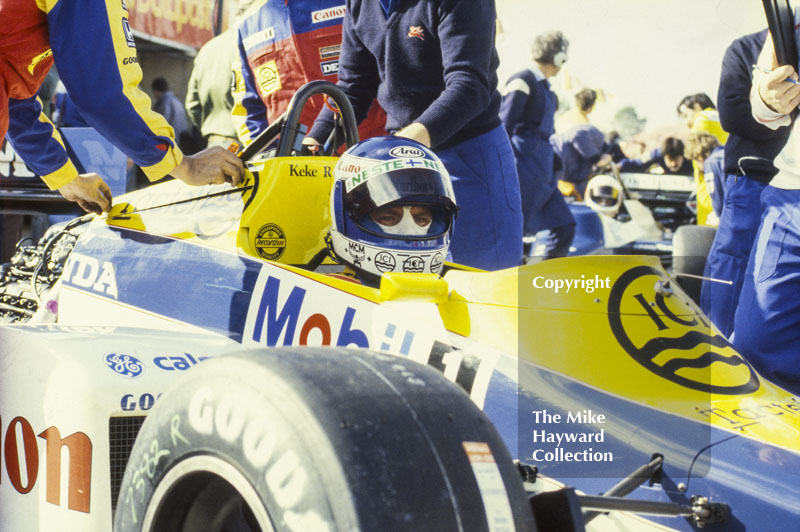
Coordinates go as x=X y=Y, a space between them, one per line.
x=749 y=152
x=170 y=107
x=208 y=96
x=527 y=112
x=433 y=67
x=668 y=159
x=767 y=322
x=580 y=151
x=47 y=92
x=700 y=114
x=280 y=47
x=102 y=75
x=704 y=149
x=585 y=100
x=613 y=139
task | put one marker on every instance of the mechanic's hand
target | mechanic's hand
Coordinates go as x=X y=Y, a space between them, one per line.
x=90 y=192
x=211 y=166
x=604 y=161
x=416 y=131
x=780 y=95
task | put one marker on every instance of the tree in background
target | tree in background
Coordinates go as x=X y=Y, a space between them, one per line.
x=628 y=123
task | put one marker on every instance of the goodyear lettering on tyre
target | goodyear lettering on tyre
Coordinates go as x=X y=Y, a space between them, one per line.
x=665 y=334
x=270 y=242
x=265 y=447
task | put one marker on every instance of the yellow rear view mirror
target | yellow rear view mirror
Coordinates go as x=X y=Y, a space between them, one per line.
x=420 y=287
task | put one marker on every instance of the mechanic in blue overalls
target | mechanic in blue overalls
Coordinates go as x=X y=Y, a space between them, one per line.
x=581 y=151
x=527 y=112
x=433 y=66
x=749 y=153
x=767 y=322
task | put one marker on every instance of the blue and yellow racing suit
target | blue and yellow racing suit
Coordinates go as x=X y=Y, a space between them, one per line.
x=93 y=47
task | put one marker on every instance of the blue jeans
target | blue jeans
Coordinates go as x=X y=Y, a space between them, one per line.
x=488 y=230
x=727 y=259
x=767 y=323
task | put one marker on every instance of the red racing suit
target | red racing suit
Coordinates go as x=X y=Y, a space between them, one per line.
x=283 y=44
x=93 y=47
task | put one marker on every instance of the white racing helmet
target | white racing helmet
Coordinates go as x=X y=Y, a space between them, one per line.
x=604 y=195
x=392 y=208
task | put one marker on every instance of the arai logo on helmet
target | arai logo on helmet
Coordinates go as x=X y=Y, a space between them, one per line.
x=402 y=152
x=124 y=365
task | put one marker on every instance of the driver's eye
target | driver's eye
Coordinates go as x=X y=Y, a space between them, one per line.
x=387 y=217
x=422 y=216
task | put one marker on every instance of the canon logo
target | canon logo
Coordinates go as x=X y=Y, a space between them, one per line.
x=327 y=14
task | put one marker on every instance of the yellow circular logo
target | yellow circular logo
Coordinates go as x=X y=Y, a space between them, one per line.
x=268 y=78
x=666 y=335
x=270 y=242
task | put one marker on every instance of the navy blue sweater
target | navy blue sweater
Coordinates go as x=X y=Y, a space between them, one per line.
x=432 y=62
x=522 y=113
x=747 y=137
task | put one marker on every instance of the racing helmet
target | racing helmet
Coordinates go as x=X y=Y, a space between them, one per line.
x=604 y=195
x=392 y=208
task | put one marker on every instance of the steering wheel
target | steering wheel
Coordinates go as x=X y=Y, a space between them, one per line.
x=780 y=18
x=287 y=126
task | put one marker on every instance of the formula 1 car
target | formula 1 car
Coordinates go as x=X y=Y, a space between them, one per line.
x=187 y=362
x=653 y=214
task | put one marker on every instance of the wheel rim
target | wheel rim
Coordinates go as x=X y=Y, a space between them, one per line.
x=205 y=493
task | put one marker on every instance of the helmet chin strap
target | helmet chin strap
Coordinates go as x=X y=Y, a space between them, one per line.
x=406 y=226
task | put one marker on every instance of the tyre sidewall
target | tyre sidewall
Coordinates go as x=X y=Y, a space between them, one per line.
x=227 y=417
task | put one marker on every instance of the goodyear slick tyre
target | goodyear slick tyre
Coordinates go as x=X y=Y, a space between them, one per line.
x=313 y=439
